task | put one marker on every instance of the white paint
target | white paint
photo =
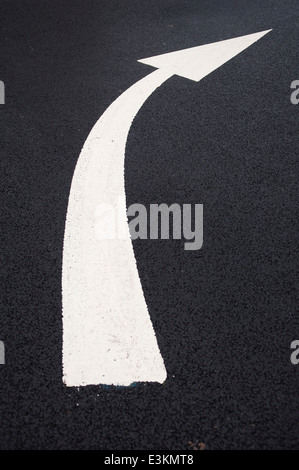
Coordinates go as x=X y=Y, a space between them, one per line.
x=108 y=337
x=197 y=62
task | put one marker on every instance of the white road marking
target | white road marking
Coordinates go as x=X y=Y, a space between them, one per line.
x=108 y=337
x=197 y=62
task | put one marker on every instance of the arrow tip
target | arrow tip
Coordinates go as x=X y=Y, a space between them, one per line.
x=197 y=62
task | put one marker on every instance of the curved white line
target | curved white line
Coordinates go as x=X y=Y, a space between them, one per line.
x=108 y=336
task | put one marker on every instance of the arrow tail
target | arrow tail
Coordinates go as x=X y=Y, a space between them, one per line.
x=108 y=337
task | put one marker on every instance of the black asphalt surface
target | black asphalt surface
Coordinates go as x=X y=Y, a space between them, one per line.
x=225 y=315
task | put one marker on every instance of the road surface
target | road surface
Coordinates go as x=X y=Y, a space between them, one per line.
x=224 y=315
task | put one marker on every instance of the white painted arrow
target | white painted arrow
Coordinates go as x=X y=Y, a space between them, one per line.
x=108 y=337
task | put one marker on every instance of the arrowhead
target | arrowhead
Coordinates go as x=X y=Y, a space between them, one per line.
x=197 y=62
